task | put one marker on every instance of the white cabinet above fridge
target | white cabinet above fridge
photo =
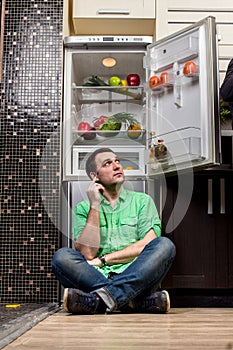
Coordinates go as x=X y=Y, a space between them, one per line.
x=134 y=17
x=174 y=100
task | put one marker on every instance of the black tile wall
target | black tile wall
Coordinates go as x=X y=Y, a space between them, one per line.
x=30 y=143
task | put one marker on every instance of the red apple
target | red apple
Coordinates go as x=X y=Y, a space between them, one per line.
x=133 y=79
x=83 y=128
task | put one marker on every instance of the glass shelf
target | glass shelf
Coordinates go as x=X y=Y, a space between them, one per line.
x=97 y=136
x=98 y=94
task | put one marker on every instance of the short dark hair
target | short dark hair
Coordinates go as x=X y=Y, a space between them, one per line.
x=91 y=163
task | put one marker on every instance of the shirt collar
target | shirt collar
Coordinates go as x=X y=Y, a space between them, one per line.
x=122 y=196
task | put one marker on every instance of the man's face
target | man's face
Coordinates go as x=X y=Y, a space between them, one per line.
x=109 y=169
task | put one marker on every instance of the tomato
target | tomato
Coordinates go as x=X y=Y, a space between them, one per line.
x=154 y=82
x=83 y=128
x=190 y=69
x=164 y=78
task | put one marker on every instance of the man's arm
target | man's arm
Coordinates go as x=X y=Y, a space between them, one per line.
x=127 y=254
x=89 y=240
x=148 y=221
x=226 y=90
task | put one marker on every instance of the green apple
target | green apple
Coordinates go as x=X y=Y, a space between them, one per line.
x=115 y=81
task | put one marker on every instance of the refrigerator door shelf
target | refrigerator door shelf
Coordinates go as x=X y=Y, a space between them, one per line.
x=172 y=79
x=181 y=50
x=182 y=152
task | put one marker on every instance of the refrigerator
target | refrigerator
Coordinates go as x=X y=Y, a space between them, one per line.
x=155 y=104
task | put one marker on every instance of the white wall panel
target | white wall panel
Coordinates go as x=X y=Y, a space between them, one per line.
x=176 y=15
x=191 y=17
x=200 y=4
x=225 y=52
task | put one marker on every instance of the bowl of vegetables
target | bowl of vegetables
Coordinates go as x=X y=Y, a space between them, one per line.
x=111 y=126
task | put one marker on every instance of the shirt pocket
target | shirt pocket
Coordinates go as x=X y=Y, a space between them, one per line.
x=128 y=231
x=130 y=221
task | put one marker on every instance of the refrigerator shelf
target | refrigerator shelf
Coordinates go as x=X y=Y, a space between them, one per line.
x=97 y=136
x=87 y=94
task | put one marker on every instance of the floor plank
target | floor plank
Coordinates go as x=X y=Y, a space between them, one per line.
x=181 y=329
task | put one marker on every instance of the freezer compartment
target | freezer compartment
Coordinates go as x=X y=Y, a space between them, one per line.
x=132 y=157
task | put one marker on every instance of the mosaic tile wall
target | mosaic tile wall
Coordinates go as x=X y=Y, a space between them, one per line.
x=30 y=143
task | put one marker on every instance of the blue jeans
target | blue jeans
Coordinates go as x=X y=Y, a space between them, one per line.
x=146 y=272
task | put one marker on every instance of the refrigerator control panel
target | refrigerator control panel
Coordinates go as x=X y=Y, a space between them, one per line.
x=74 y=41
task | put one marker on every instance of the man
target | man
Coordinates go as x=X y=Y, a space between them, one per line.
x=226 y=89
x=120 y=257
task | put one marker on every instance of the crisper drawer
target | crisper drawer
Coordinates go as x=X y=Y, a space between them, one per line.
x=132 y=159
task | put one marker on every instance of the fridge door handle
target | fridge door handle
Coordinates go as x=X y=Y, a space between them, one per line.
x=222 y=197
x=113 y=12
x=210 y=196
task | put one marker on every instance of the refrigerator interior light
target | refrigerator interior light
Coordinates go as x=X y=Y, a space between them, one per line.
x=109 y=62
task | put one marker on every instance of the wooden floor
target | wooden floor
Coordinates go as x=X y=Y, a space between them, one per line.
x=181 y=329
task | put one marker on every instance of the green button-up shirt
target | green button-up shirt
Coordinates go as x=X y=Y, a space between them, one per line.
x=131 y=219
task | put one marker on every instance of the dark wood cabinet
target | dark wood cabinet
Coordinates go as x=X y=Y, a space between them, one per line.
x=204 y=237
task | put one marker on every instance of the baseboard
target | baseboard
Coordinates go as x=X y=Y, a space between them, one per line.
x=201 y=297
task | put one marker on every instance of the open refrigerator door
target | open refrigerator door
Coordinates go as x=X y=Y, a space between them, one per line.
x=182 y=100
